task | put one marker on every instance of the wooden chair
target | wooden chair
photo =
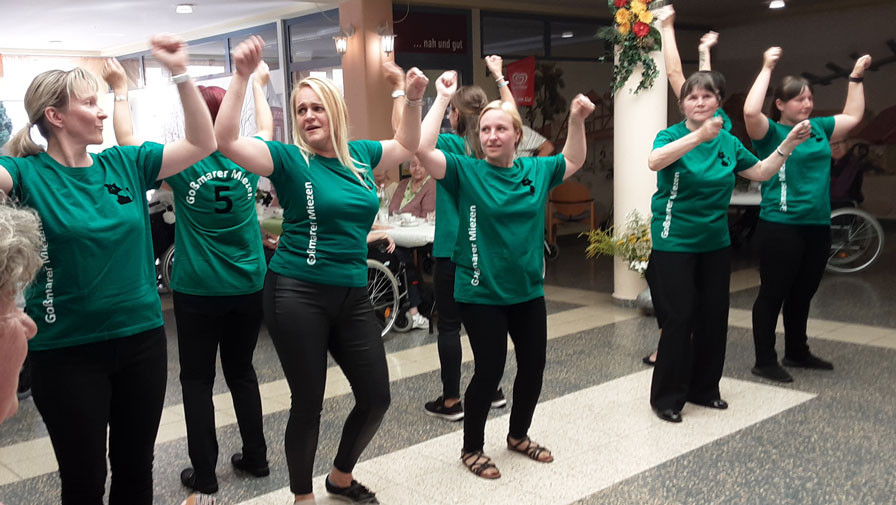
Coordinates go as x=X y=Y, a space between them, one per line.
x=569 y=202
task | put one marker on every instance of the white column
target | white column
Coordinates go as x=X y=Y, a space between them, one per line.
x=636 y=121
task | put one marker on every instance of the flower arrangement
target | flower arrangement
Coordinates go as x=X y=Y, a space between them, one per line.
x=637 y=38
x=632 y=245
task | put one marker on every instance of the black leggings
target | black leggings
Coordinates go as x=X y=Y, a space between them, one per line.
x=306 y=320
x=792 y=259
x=448 y=323
x=80 y=391
x=691 y=290
x=204 y=323
x=487 y=327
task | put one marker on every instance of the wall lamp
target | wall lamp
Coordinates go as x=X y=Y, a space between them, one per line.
x=387 y=38
x=341 y=40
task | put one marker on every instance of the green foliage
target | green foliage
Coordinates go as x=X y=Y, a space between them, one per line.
x=631 y=244
x=635 y=37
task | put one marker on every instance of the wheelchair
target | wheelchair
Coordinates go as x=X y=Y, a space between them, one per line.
x=857 y=238
x=387 y=286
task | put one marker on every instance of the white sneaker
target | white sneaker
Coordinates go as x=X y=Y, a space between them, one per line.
x=418 y=321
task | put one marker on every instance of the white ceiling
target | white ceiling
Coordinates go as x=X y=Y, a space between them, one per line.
x=114 y=27
x=121 y=26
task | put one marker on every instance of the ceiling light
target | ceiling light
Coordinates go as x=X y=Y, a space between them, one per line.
x=567 y=35
x=776 y=4
x=184 y=9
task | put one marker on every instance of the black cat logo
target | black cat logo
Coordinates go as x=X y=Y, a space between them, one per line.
x=724 y=159
x=124 y=195
x=528 y=182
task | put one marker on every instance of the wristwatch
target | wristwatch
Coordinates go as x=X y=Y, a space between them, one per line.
x=397 y=93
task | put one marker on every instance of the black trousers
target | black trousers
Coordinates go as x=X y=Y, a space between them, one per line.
x=448 y=324
x=80 y=391
x=487 y=327
x=203 y=324
x=792 y=259
x=692 y=289
x=305 y=321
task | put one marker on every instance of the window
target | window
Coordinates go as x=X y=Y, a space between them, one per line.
x=511 y=36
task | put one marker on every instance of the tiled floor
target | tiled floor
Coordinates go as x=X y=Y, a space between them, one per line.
x=827 y=438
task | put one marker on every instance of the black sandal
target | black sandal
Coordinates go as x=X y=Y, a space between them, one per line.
x=478 y=463
x=532 y=450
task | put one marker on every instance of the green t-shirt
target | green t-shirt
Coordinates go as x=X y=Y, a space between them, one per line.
x=446 y=205
x=800 y=193
x=98 y=280
x=217 y=239
x=726 y=121
x=327 y=214
x=690 y=206
x=498 y=247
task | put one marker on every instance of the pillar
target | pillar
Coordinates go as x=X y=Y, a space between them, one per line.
x=636 y=121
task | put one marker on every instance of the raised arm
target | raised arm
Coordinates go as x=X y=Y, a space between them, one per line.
x=264 y=119
x=431 y=158
x=576 y=147
x=495 y=65
x=247 y=152
x=395 y=77
x=707 y=42
x=756 y=121
x=662 y=157
x=854 y=109
x=199 y=133
x=115 y=76
x=768 y=167
x=5 y=181
x=674 y=73
x=407 y=137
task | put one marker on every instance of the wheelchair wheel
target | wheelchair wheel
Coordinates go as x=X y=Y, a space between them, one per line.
x=402 y=323
x=382 y=287
x=165 y=267
x=857 y=240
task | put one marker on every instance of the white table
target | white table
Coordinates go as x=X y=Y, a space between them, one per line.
x=421 y=234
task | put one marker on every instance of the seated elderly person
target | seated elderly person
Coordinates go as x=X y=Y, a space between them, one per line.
x=19 y=261
x=416 y=194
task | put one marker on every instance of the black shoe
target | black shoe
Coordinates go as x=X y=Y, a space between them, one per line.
x=647 y=361
x=668 y=415
x=188 y=479
x=498 y=400
x=437 y=408
x=772 y=372
x=258 y=470
x=354 y=493
x=718 y=403
x=811 y=361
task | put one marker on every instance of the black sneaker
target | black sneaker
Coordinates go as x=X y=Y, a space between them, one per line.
x=498 y=400
x=811 y=361
x=354 y=493
x=188 y=479
x=772 y=372
x=437 y=408
x=258 y=470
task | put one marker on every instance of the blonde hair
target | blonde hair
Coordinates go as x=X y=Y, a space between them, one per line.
x=53 y=88
x=509 y=109
x=20 y=243
x=334 y=105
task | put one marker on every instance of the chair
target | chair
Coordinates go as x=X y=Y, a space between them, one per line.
x=569 y=202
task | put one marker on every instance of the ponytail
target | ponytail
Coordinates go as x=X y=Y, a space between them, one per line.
x=22 y=145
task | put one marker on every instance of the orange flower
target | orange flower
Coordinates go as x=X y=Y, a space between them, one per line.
x=645 y=17
x=638 y=7
x=624 y=28
x=622 y=16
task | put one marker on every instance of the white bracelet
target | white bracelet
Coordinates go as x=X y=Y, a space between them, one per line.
x=121 y=98
x=413 y=103
x=502 y=83
x=780 y=152
x=397 y=93
x=180 y=78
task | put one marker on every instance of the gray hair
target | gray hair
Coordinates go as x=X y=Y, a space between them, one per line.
x=20 y=243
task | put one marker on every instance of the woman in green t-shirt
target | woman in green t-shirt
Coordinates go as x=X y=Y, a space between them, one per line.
x=498 y=253
x=690 y=265
x=216 y=285
x=99 y=358
x=794 y=230
x=315 y=294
